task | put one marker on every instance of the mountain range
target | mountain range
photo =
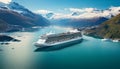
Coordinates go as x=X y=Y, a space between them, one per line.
x=77 y=17
x=76 y=23
x=108 y=29
x=15 y=15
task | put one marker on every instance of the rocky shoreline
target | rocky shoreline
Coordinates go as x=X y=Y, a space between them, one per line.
x=113 y=40
x=102 y=38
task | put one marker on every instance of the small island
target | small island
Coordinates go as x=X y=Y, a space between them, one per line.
x=5 y=38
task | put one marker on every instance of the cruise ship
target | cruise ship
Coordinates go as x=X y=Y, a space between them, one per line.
x=60 y=39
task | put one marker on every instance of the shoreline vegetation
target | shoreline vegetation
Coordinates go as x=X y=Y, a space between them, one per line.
x=102 y=38
x=108 y=30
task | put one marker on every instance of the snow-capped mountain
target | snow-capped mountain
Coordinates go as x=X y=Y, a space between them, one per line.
x=14 y=14
x=20 y=9
x=84 y=17
x=76 y=23
x=17 y=8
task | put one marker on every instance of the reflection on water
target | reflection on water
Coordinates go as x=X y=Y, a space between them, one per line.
x=21 y=54
x=91 y=53
x=16 y=53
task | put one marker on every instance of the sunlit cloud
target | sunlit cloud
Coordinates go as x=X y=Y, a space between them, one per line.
x=82 y=10
x=43 y=11
x=84 y=13
x=5 y=1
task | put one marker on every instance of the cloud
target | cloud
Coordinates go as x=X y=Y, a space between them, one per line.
x=115 y=10
x=84 y=13
x=75 y=10
x=90 y=9
x=89 y=13
x=43 y=12
x=81 y=10
x=5 y=1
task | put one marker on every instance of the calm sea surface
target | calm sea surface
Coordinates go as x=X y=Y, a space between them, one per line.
x=91 y=53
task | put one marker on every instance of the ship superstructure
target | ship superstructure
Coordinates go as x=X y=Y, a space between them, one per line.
x=60 y=39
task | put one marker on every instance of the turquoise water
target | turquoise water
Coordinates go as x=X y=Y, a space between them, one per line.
x=91 y=53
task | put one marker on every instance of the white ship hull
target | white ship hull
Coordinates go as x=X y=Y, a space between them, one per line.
x=63 y=43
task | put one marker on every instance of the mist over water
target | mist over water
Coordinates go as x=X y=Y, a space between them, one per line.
x=91 y=53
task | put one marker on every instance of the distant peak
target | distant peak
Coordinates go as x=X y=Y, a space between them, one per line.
x=15 y=4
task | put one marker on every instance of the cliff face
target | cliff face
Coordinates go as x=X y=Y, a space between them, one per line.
x=108 y=29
